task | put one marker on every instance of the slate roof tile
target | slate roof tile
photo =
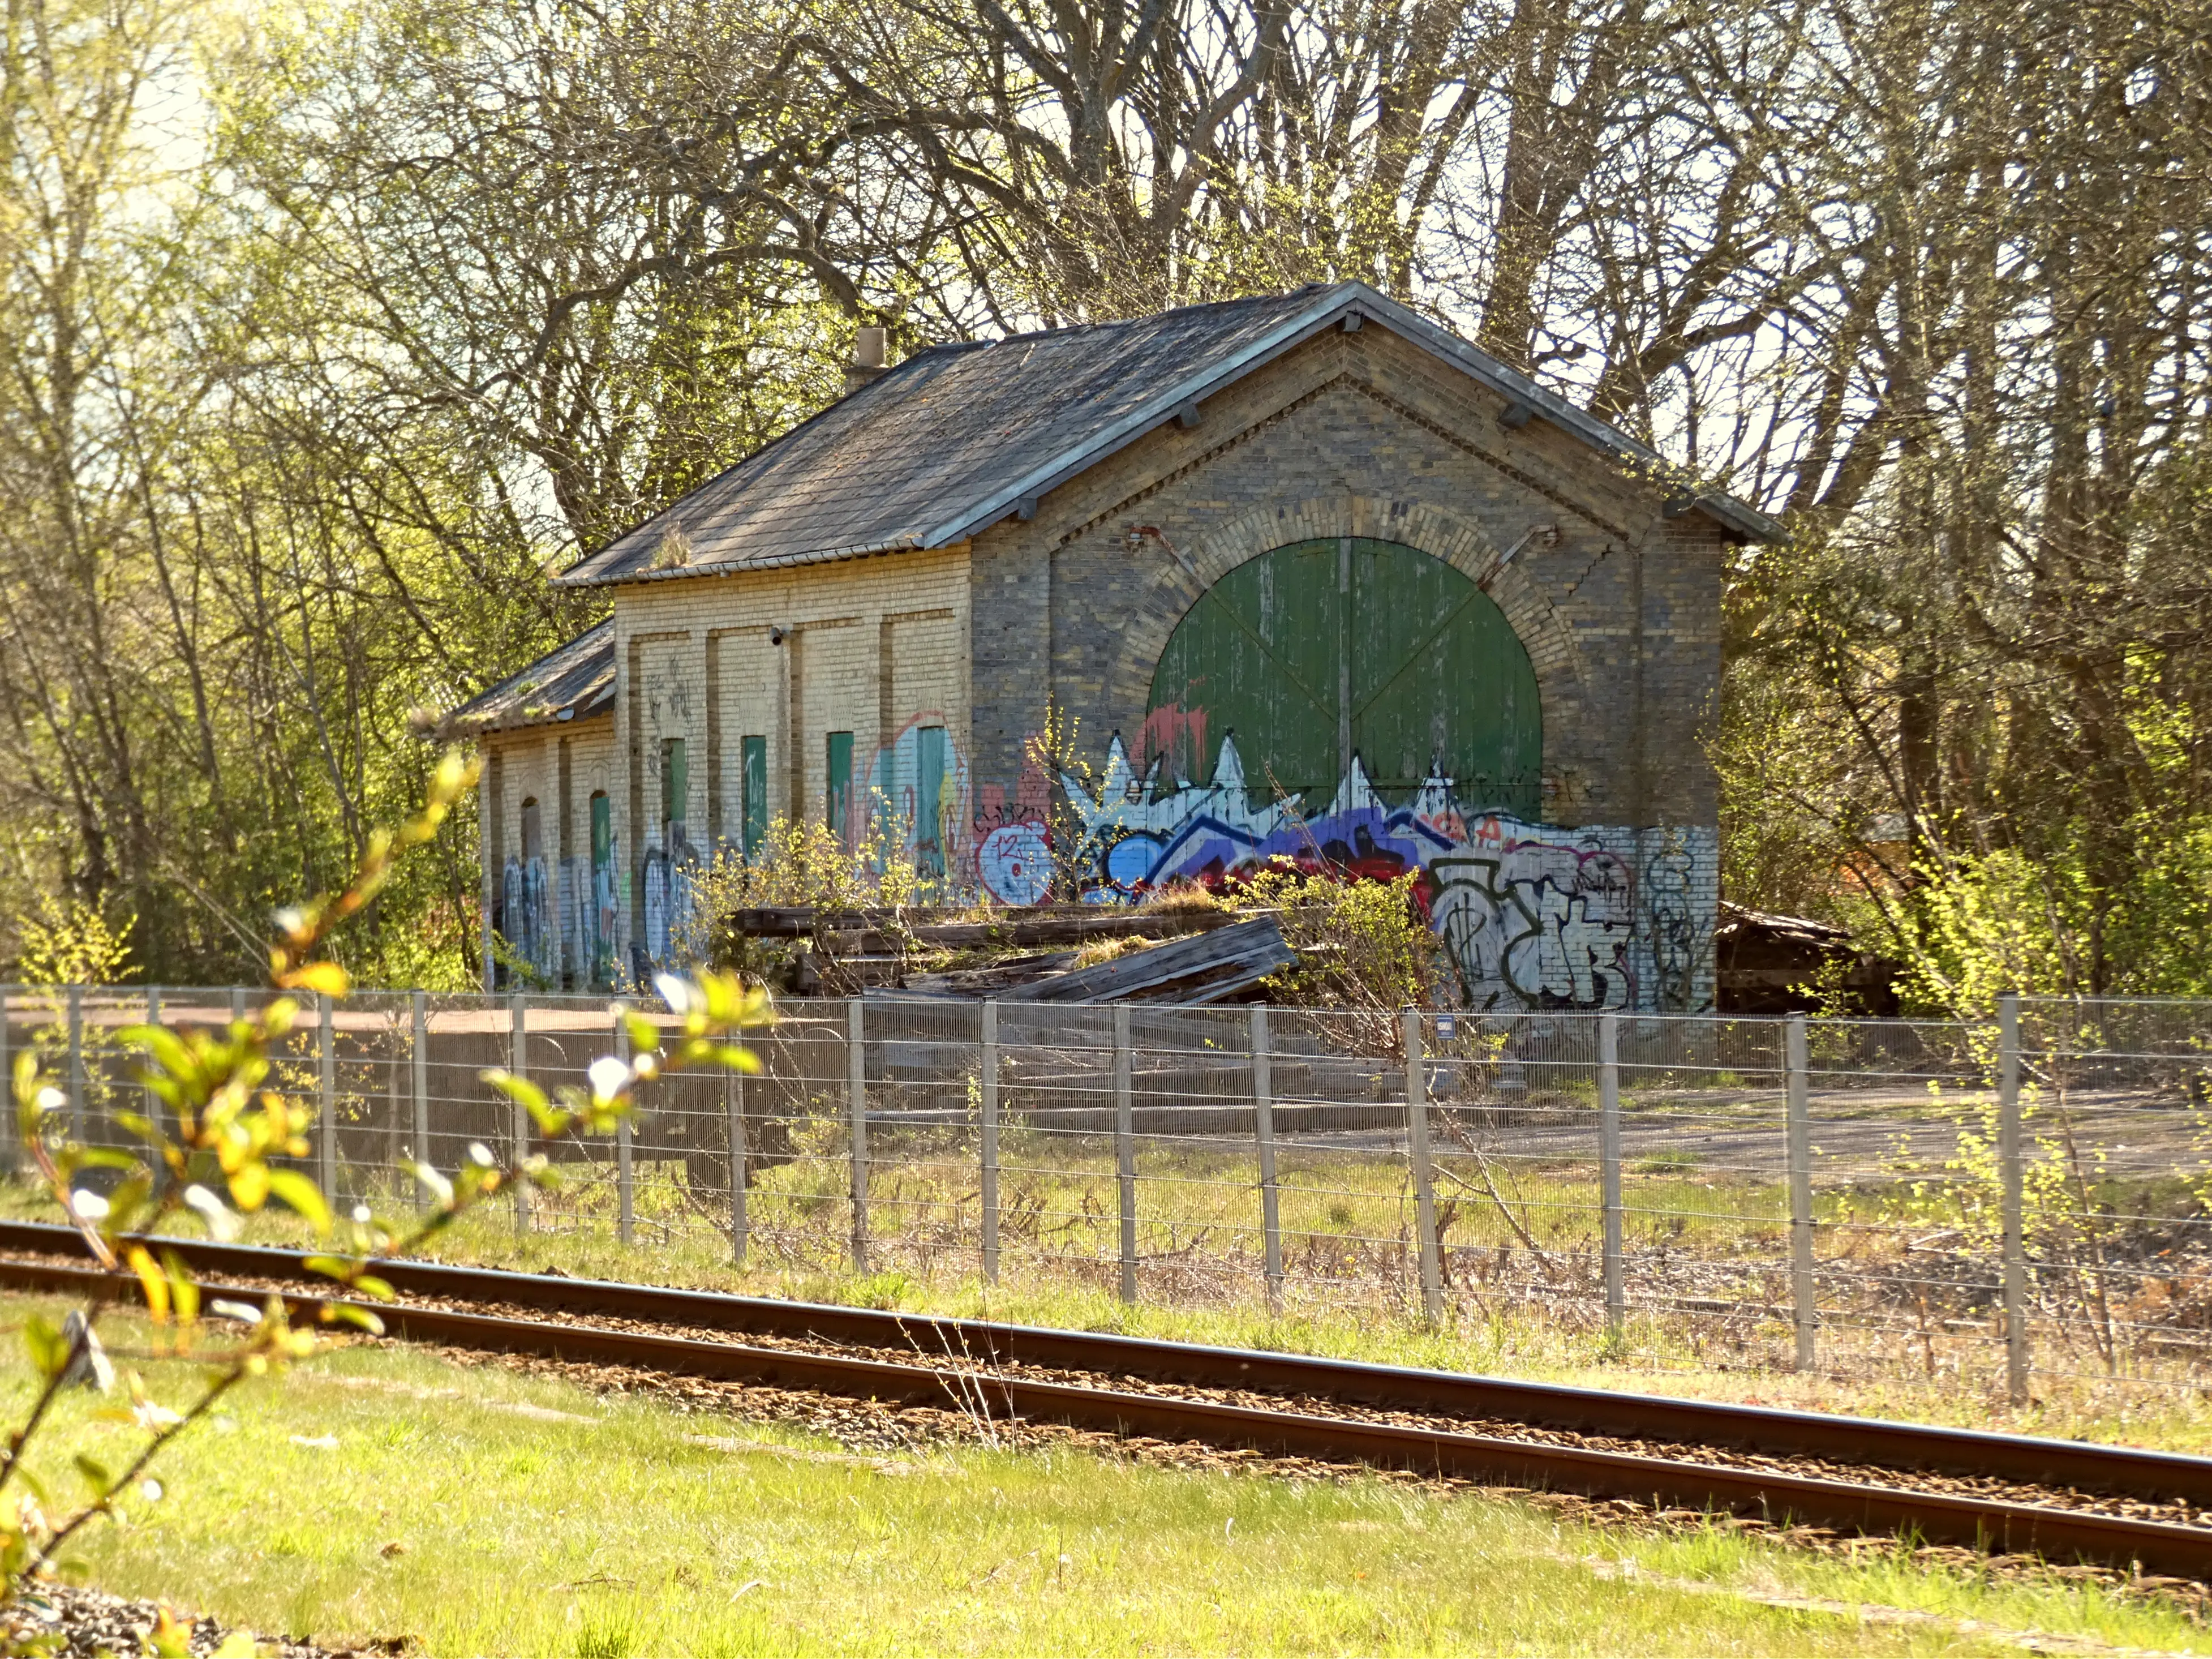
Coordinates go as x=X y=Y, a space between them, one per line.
x=949 y=440
x=571 y=682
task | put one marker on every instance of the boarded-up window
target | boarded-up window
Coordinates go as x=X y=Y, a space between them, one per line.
x=929 y=802
x=675 y=791
x=752 y=783
x=602 y=910
x=838 y=796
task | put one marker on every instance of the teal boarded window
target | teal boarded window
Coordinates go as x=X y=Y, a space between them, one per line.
x=675 y=790
x=1326 y=649
x=837 y=802
x=929 y=802
x=752 y=781
x=600 y=915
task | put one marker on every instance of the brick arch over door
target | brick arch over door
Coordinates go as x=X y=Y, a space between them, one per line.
x=1453 y=536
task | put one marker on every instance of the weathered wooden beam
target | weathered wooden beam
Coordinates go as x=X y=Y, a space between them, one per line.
x=1205 y=969
x=863 y=932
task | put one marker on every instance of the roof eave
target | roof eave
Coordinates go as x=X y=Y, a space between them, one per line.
x=483 y=711
x=600 y=705
x=732 y=568
x=1508 y=382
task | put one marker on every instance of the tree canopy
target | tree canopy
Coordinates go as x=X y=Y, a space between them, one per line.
x=327 y=331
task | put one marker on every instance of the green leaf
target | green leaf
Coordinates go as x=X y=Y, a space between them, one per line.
x=347 y=1313
x=126 y=1201
x=164 y=1047
x=96 y=1477
x=370 y=1285
x=330 y=1266
x=304 y=1196
x=519 y=1090
x=149 y=1276
x=249 y=1187
x=48 y=1348
x=324 y=976
x=184 y=1289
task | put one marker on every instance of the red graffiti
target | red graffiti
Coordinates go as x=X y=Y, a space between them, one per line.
x=1176 y=733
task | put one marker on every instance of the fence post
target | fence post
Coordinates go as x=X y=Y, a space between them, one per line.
x=1424 y=1186
x=989 y=1067
x=1609 y=1153
x=155 y=1164
x=519 y=1063
x=76 y=1077
x=237 y=1003
x=733 y=1098
x=11 y=1136
x=856 y=1084
x=1798 y=1130
x=1263 y=1119
x=419 y=1054
x=326 y=1061
x=1125 y=1150
x=625 y=1150
x=2015 y=1238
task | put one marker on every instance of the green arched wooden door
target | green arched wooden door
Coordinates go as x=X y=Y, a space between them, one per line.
x=1326 y=649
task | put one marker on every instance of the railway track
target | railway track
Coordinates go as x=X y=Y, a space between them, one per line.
x=2013 y=1493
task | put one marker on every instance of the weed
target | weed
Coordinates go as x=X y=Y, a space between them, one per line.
x=607 y=1635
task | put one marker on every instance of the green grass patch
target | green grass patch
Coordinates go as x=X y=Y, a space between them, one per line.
x=1352 y=1287
x=478 y=1511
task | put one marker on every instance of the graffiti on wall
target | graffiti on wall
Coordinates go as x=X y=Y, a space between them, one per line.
x=1536 y=919
x=589 y=920
x=1014 y=848
x=1532 y=916
x=525 y=914
x=918 y=801
x=669 y=878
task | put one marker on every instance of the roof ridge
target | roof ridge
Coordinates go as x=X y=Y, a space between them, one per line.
x=1113 y=323
x=958 y=435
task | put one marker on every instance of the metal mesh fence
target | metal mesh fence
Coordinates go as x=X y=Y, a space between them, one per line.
x=1928 y=1200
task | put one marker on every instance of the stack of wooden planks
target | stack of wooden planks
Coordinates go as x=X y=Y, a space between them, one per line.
x=1215 y=955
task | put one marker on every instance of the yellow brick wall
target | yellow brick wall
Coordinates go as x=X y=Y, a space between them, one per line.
x=871 y=647
x=523 y=766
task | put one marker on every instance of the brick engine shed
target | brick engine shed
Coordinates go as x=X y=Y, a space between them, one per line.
x=1306 y=576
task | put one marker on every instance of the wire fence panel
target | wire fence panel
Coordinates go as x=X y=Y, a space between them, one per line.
x=1671 y=1192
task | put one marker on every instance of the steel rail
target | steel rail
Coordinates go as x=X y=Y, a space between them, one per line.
x=1872 y=1507
x=2030 y=1459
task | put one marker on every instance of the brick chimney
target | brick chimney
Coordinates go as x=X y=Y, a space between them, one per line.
x=867 y=362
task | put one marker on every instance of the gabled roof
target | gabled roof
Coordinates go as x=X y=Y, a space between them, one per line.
x=959 y=436
x=571 y=682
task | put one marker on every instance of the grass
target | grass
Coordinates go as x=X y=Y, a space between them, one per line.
x=478 y=1511
x=1353 y=1288
x=1521 y=1234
